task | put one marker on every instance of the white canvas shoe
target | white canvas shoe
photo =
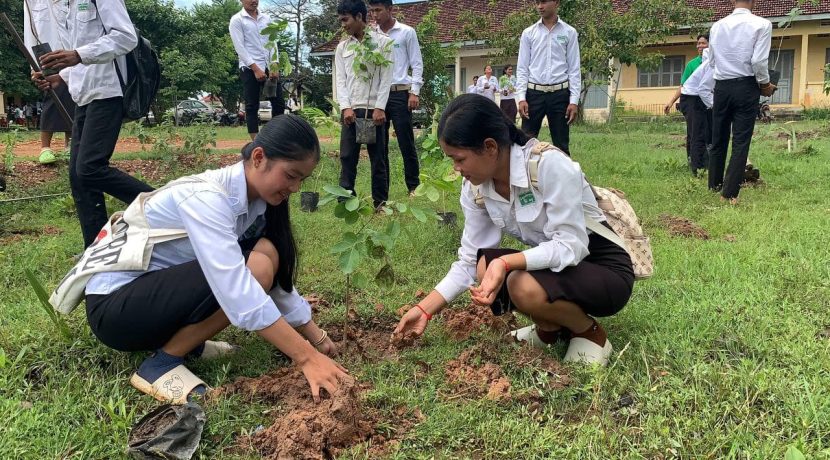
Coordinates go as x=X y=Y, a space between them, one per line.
x=582 y=350
x=528 y=334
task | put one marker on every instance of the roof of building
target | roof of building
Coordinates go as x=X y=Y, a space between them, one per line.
x=450 y=10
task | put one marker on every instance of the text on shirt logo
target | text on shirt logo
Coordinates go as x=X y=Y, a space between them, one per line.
x=526 y=198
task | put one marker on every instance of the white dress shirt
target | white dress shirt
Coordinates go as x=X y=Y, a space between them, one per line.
x=489 y=93
x=547 y=57
x=214 y=221
x=353 y=92
x=551 y=219
x=510 y=88
x=247 y=40
x=740 y=45
x=95 y=77
x=407 y=52
x=472 y=89
x=701 y=82
x=45 y=21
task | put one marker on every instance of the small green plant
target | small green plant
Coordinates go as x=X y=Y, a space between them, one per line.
x=437 y=173
x=43 y=299
x=142 y=134
x=792 y=136
x=197 y=142
x=369 y=54
x=363 y=241
x=10 y=140
x=320 y=119
x=280 y=62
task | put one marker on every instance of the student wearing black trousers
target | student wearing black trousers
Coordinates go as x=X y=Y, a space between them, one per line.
x=245 y=30
x=696 y=103
x=96 y=89
x=362 y=95
x=741 y=76
x=548 y=75
x=404 y=94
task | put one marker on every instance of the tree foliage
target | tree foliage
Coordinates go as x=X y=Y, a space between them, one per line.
x=436 y=56
x=14 y=70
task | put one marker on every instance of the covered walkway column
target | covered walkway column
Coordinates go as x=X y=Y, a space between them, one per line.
x=458 y=81
x=802 y=74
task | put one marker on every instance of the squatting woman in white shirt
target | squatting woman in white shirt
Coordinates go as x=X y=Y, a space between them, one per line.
x=197 y=285
x=567 y=277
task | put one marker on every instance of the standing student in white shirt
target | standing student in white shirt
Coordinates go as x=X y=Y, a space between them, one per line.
x=697 y=104
x=739 y=45
x=245 y=27
x=358 y=94
x=406 y=88
x=549 y=75
x=89 y=66
x=567 y=277
x=42 y=19
x=507 y=82
x=473 y=89
x=198 y=285
x=487 y=84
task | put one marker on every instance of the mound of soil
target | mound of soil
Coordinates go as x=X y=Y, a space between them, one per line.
x=369 y=338
x=473 y=375
x=305 y=430
x=28 y=174
x=680 y=226
x=463 y=322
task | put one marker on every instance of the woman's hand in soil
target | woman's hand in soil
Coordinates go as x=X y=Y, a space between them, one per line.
x=485 y=293
x=328 y=347
x=323 y=372
x=414 y=321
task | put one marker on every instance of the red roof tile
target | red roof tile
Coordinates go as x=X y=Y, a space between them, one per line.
x=450 y=25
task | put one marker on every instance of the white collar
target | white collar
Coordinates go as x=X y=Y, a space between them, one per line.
x=237 y=187
x=518 y=173
x=742 y=11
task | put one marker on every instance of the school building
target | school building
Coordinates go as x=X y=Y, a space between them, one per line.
x=799 y=52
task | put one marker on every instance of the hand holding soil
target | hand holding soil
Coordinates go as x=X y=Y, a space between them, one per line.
x=485 y=293
x=323 y=372
x=413 y=321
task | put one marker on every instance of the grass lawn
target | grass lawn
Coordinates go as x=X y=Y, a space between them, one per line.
x=723 y=354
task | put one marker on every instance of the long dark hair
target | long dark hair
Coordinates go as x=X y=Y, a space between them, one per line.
x=288 y=138
x=470 y=119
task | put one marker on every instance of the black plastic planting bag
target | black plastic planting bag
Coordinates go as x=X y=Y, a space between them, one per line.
x=169 y=432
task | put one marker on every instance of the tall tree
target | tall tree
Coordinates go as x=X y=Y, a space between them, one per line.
x=14 y=70
x=319 y=28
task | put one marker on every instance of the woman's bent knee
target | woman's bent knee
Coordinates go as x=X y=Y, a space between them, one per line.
x=265 y=247
x=262 y=268
x=525 y=292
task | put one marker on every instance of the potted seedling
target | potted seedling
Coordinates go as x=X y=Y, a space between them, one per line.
x=506 y=85
x=310 y=200
x=280 y=63
x=361 y=241
x=368 y=61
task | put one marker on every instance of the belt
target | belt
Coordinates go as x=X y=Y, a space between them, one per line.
x=549 y=88
x=400 y=88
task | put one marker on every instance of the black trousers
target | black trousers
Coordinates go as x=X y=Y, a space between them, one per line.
x=251 y=92
x=94 y=134
x=397 y=112
x=734 y=112
x=698 y=122
x=552 y=105
x=378 y=158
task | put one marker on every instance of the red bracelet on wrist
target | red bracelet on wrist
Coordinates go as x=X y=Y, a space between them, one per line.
x=419 y=307
x=506 y=265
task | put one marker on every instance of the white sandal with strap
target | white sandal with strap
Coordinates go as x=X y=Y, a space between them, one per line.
x=528 y=334
x=214 y=349
x=172 y=387
x=582 y=350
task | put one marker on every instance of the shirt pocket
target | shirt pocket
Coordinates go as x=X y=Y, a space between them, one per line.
x=528 y=213
x=88 y=14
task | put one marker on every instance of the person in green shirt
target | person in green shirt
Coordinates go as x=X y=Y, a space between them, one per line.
x=691 y=66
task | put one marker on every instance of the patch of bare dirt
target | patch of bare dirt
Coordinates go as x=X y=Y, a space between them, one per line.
x=369 y=338
x=306 y=430
x=462 y=322
x=681 y=226
x=478 y=372
x=31 y=149
x=28 y=174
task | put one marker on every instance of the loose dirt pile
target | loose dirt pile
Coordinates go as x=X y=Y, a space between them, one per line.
x=479 y=372
x=305 y=430
x=680 y=226
x=460 y=323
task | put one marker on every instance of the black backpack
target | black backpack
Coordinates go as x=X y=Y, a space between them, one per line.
x=144 y=71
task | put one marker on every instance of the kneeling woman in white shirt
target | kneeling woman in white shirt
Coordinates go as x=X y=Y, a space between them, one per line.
x=198 y=285
x=567 y=277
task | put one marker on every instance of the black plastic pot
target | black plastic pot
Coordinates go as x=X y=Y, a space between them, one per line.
x=774 y=76
x=309 y=200
x=448 y=218
x=269 y=90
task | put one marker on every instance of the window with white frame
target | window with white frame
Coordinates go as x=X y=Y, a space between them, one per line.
x=668 y=73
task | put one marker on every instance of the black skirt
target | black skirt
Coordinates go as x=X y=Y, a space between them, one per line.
x=600 y=284
x=50 y=118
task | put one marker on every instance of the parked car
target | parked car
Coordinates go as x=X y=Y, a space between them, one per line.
x=421 y=119
x=189 y=111
x=264 y=111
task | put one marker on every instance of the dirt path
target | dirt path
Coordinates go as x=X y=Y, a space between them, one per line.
x=31 y=149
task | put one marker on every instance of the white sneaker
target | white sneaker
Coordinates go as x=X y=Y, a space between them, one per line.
x=582 y=350
x=528 y=334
